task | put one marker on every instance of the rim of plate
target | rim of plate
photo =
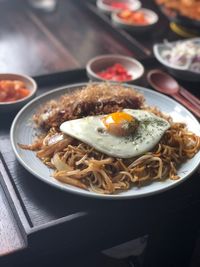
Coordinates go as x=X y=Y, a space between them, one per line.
x=83 y=192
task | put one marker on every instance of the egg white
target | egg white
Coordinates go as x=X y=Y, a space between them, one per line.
x=91 y=131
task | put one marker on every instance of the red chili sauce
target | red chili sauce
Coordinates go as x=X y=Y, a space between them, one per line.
x=119 y=5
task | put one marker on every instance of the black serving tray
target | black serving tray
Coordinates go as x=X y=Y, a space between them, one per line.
x=47 y=216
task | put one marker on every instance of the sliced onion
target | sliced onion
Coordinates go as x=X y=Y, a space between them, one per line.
x=52 y=139
x=59 y=164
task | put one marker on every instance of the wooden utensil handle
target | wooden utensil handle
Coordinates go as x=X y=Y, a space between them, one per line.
x=193 y=99
x=187 y=104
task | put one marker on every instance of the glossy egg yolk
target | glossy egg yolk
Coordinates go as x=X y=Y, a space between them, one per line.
x=120 y=123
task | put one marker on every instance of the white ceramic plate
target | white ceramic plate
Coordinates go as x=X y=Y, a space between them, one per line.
x=23 y=131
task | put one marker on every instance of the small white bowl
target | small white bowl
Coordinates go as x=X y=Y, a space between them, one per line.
x=9 y=107
x=180 y=72
x=100 y=63
x=150 y=15
x=104 y=5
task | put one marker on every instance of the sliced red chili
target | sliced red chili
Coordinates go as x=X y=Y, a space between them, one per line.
x=117 y=72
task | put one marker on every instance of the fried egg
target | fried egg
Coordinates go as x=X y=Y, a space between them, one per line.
x=123 y=134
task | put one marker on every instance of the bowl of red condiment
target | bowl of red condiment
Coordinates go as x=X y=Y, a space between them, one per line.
x=108 y=6
x=15 y=91
x=114 y=68
x=138 y=21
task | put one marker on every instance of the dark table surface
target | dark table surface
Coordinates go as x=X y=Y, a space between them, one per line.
x=47 y=45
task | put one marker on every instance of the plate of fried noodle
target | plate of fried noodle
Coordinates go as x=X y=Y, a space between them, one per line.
x=69 y=164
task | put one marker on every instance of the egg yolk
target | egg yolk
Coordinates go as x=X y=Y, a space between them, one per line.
x=120 y=123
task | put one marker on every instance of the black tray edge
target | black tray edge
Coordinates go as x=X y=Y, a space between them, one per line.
x=13 y=201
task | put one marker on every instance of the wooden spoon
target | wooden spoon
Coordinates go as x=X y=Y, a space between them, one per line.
x=164 y=83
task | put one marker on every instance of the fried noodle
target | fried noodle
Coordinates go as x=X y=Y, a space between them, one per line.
x=80 y=165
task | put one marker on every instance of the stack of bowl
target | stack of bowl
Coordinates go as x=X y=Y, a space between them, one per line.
x=129 y=15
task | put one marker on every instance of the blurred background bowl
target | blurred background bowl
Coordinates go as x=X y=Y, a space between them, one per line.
x=185 y=25
x=150 y=16
x=180 y=72
x=101 y=63
x=108 y=6
x=14 y=106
